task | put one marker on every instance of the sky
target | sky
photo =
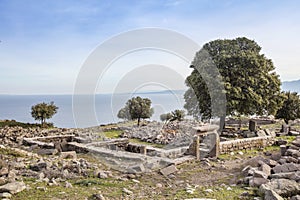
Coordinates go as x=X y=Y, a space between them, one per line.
x=44 y=44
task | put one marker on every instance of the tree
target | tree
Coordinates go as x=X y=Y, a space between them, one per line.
x=124 y=114
x=165 y=117
x=250 y=84
x=136 y=108
x=290 y=109
x=177 y=115
x=174 y=115
x=43 y=111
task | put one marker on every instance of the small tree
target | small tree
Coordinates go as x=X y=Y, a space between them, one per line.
x=124 y=114
x=43 y=111
x=177 y=115
x=136 y=108
x=165 y=117
x=291 y=107
x=174 y=115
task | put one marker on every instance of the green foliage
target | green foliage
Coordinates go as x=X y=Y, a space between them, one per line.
x=13 y=123
x=43 y=111
x=174 y=115
x=290 y=109
x=177 y=115
x=165 y=117
x=136 y=108
x=250 y=83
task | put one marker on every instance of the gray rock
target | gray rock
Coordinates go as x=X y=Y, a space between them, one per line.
x=261 y=133
x=266 y=169
x=68 y=154
x=125 y=190
x=296 y=143
x=292 y=152
x=287 y=167
x=260 y=174
x=5 y=195
x=168 y=170
x=287 y=175
x=257 y=181
x=271 y=195
x=297 y=197
x=13 y=188
x=283 y=187
x=39 y=166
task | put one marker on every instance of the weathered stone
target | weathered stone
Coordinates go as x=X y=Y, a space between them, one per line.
x=98 y=197
x=287 y=167
x=5 y=195
x=283 y=187
x=257 y=181
x=3 y=171
x=13 y=188
x=68 y=185
x=39 y=166
x=270 y=133
x=296 y=143
x=125 y=190
x=266 y=169
x=2 y=181
x=287 y=175
x=271 y=163
x=282 y=149
x=293 y=153
x=260 y=174
x=168 y=170
x=271 y=195
x=294 y=133
x=297 y=197
x=68 y=154
x=252 y=125
x=276 y=156
x=261 y=133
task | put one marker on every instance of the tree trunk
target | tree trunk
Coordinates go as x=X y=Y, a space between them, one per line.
x=139 y=120
x=222 y=124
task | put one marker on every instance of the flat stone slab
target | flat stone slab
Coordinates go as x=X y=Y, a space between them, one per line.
x=168 y=170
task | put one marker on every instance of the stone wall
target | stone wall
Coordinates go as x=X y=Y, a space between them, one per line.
x=247 y=143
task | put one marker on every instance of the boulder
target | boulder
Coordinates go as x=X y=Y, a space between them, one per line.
x=287 y=167
x=13 y=188
x=261 y=133
x=296 y=143
x=257 y=181
x=168 y=170
x=39 y=166
x=266 y=169
x=287 y=175
x=271 y=195
x=292 y=152
x=68 y=154
x=297 y=197
x=283 y=187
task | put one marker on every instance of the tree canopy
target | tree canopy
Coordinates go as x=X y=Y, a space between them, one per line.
x=43 y=111
x=250 y=82
x=136 y=108
x=290 y=109
x=172 y=116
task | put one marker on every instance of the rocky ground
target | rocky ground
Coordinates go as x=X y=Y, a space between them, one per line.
x=26 y=173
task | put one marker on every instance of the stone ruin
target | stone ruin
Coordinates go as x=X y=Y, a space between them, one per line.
x=122 y=155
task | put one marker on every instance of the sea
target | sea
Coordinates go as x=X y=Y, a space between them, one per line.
x=71 y=112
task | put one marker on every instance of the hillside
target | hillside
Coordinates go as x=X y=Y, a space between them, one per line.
x=291 y=86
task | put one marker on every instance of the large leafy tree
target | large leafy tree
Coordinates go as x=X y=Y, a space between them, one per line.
x=250 y=82
x=290 y=109
x=136 y=108
x=43 y=111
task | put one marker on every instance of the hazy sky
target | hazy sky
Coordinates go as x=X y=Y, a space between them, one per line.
x=44 y=43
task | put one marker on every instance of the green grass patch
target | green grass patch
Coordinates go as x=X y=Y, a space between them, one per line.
x=10 y=152
x=138 y=141
x=113 y=133
x=14 y=123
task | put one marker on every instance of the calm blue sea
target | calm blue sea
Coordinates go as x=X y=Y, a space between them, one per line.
x=18 y=107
